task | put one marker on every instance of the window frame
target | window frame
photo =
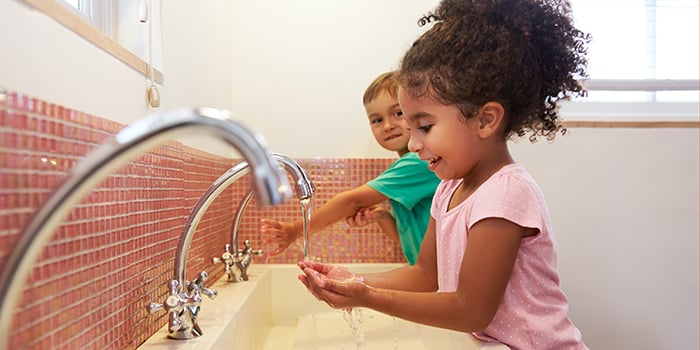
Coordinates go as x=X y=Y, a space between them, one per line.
x=656 y=108
x=654 y=111
x=75 y=21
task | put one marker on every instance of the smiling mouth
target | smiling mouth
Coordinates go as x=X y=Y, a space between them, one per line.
x=391 y=137
x=432 y=162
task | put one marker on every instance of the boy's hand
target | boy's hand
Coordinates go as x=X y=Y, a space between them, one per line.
x=368 y=215
x=279 y=233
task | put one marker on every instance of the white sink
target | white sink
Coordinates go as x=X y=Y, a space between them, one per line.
x=273 y=311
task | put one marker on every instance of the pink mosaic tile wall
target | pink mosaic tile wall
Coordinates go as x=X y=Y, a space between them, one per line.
x=115 y=251
x=337 y=243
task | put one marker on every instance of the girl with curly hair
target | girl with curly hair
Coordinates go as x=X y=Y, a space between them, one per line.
x=486 y=71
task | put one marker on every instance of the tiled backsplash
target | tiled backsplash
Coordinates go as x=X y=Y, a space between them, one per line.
x=115 y=251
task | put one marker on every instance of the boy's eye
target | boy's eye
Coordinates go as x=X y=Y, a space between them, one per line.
x=376 y=121
x=398 y=114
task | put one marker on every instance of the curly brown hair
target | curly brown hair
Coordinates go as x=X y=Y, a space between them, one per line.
x=525 y=54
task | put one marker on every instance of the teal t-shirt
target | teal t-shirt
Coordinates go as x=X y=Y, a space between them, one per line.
x=410 y=186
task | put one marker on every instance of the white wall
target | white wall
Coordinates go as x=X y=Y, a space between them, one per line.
x=300 y=69
x=43 y=59
x=624 y=205
x=624 y=202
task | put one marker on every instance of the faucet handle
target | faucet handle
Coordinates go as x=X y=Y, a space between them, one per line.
x=172 y=301
x=248 y=250
x=226 y=257
x=197 y=286
x=174 y=304
x=244 y=258
x=229 y=260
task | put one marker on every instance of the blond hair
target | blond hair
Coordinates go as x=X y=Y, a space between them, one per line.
x=383 y=83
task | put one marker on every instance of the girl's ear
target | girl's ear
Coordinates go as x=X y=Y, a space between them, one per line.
x=490 y=119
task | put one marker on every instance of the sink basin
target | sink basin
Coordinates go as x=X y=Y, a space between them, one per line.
x=273 y=311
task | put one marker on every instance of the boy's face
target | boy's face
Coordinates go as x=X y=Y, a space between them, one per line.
x=386 y=123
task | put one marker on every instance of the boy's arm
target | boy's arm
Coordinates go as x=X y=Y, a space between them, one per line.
x=377 y=214
x=388 y=225
x=337 y=208
x=343 y=205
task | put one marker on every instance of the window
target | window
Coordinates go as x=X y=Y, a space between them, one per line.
x=643 y=59
x=115 y=26
x=96 y=12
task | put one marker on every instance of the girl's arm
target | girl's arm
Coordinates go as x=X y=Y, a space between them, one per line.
x=485 y=271
x=420 y=277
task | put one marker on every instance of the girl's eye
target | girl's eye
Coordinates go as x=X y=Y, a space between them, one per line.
x=425 y=128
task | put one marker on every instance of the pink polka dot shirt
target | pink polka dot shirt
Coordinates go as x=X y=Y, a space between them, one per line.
x=533 y=312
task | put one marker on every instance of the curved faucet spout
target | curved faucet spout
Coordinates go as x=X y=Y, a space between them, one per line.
x=271 y=184
x=304 y=189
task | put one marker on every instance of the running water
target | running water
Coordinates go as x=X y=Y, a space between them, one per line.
x=396 y=333
x=305 y=219
x=354 y=318
x=305 y=205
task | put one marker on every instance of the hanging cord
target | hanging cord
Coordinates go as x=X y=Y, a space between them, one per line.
x=152 y=93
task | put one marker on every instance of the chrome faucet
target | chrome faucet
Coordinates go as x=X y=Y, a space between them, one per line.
x=272 y=187
x=183 y=307
x=236 y=261
x=244 y=258
x=304 y=189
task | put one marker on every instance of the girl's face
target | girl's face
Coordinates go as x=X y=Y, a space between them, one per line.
x=441 y=136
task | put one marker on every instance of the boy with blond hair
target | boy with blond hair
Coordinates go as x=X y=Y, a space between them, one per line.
x=407 y=184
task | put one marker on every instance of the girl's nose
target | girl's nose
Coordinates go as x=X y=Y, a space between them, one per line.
x=413 y=144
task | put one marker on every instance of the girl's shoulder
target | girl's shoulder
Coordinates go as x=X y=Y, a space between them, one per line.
x=508 y=186
x=511 y=176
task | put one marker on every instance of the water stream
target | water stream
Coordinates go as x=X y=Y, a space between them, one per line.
x=354 y=319
x=305 y=220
